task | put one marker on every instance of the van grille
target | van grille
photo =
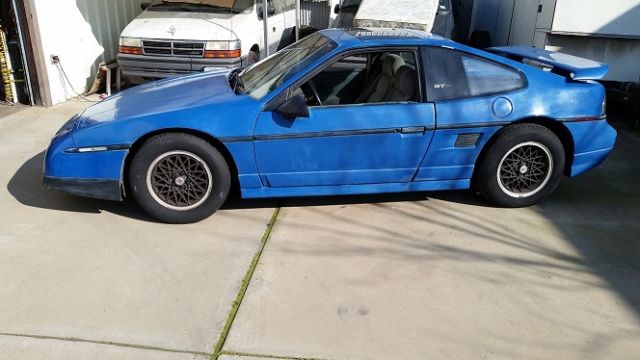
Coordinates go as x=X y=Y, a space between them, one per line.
x=173 y=48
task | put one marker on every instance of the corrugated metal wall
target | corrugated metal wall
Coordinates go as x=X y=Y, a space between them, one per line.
x=83 y=34
x=107 y=19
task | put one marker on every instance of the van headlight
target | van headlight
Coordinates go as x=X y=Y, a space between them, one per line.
x=131 y=46
x=130 y=42
x=223 y=49
x=223 y=45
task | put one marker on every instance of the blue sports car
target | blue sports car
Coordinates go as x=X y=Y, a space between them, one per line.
x=342 y=112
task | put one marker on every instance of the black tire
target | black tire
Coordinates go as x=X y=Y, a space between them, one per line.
x=522 y=166
x=254 y=57
x=179 y=178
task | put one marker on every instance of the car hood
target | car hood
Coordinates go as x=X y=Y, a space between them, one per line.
x=175 y=25
x=201 y=102
x=161 y=97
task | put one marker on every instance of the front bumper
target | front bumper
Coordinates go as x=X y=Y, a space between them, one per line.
x=91 y=188
x=168 y=66
x=96 y=174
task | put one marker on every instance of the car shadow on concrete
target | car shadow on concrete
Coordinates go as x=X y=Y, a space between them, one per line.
x=26 y=187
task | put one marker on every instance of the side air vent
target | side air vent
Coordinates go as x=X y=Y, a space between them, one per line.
x=467 y=140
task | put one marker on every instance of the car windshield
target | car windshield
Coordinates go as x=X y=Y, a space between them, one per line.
x=263 y=77
x=236 y=6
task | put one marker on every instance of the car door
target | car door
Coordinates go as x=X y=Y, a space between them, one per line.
x=345 y=144
x=474 y=98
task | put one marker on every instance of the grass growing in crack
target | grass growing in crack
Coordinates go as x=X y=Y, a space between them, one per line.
x=263 y=356
x=217 y=350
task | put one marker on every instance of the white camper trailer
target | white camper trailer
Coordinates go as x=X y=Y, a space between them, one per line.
x=429 y=15
x=406 y=14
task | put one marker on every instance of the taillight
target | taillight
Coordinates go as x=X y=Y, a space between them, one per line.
x=222 y=54
x=132 y=50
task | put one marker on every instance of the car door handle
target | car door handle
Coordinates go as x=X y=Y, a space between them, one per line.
x=413 y=129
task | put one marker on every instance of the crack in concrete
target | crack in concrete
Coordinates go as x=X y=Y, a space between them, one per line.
x=265 y=356
x=217 y=350
x=102 y=342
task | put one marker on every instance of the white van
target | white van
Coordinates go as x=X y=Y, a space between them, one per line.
x=174 y=37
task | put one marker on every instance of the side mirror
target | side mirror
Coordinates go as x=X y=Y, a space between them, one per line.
x=336 y=9
x=294 y=107
x=145 y=5
x=270 y=11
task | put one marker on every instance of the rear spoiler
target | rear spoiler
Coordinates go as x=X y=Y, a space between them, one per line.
x=573 y=67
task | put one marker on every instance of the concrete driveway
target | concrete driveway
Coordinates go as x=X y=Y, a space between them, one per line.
x=413 y=276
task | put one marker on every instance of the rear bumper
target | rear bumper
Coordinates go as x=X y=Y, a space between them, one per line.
x=168 y=66
x=91 y=188
x=593 y=141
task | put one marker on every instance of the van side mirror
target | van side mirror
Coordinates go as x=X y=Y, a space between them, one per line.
x=270 y=11
x=336 y=9
x=294 y=107
x=145 y=5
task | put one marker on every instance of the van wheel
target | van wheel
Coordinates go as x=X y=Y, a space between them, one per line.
x=254 y=56
x=522 y=167
x=179 y=178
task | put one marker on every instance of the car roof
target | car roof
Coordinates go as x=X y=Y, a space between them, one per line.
x=358 y=37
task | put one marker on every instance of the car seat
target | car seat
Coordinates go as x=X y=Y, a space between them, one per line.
x=404 y=85
x=380 y=85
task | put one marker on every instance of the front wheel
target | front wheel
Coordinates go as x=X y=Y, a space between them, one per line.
x=522 y=167
x=254 y=57
x=179 y=178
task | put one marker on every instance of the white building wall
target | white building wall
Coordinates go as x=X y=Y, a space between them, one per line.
x=83 y=34
x=610 y=18
x=622 y=55
x=605 y=31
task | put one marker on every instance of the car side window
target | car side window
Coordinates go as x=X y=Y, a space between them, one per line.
x=365 y=78
x=457 y=75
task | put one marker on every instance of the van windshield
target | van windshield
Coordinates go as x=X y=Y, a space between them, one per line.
x=265 y=76
x=235 y=6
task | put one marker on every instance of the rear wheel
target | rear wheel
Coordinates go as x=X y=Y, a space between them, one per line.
x=522 y=167
x=179 y=178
